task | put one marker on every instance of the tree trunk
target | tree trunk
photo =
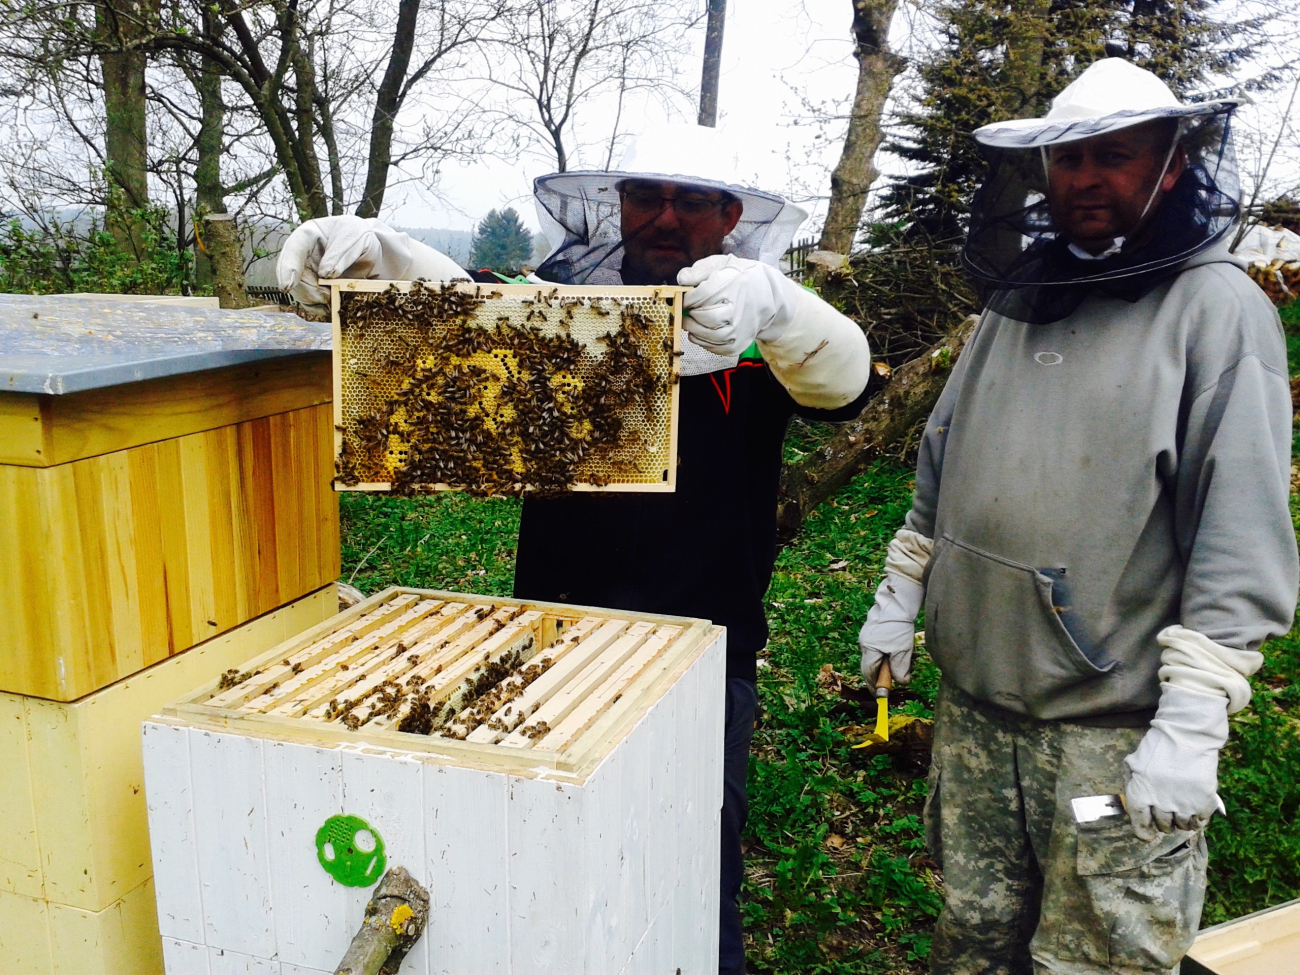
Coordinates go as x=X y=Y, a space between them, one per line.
x=305 y=125
x=908 y=398
x=388 y=99
x=209 y=193
x=226 y=252
x=712 y=63
x=125 y=138
x=855 y=172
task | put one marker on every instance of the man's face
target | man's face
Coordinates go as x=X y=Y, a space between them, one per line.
x=1097 y=188
x=669 y=226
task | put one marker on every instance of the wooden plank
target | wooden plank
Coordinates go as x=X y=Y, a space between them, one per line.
x=25 y=934
x=166 y=753
x=24 y=429
x=511 y=638
x=444 y=657
x=184 y=957
x=609 y=728
x=121 y=570
x=20 y=855
x=365 y=621
x=399 y=664
x=310 y=649
x=304 y=787
x=560 y=704
x=545 y=929
x=392 y=655
x=1263 y=943
x=296 y=691
x=385 y=791
x=462 y=657
x=74 y=426
x=231 y=841
x=468 y=903
x=489 y=732
x=153 y=605
x=565 y=732
x=517 y=641
x=446 y=647
x=563 y=670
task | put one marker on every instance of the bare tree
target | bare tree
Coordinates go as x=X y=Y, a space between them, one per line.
x=559 y=57
x=120 y=25
x=853 y=175
x=712 y=62
x=447 y=44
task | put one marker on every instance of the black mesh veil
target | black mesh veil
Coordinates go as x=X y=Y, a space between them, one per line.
x=1027 y=270
x=581 y=213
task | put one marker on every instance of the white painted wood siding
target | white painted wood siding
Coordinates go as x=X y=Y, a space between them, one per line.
x=528 y=874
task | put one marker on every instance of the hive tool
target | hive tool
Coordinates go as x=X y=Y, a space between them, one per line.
x=883 y=683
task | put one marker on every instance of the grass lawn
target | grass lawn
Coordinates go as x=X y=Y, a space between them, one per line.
x=838 y=878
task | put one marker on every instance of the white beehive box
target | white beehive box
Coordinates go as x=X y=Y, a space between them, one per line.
x=576 y=829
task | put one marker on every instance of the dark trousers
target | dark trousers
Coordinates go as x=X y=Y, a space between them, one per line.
x=742 y=702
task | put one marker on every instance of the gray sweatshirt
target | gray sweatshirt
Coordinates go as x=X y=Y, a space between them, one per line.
x=1094 y=480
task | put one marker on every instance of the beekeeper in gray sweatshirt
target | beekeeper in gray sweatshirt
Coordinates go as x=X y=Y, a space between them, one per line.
x=1100 y=535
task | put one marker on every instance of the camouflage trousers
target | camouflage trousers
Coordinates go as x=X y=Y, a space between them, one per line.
x=1028 y=889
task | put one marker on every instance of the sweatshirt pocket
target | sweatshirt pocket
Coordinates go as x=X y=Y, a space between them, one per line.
x=993 y=628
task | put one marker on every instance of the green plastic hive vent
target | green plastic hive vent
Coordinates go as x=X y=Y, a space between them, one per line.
x=350 y=850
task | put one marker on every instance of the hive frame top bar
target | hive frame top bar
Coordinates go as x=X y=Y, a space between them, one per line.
x=669 y=293
x=337 y=285
x=572 y=763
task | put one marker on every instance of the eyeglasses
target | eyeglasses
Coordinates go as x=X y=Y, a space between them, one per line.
x=651 y=202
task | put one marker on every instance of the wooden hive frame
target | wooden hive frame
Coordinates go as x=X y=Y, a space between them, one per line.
x=594 y=852
x=664 y=455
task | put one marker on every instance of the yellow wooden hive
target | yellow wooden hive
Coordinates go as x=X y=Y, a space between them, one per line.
x=167 y=511
x=505 y=389
x=144 y=518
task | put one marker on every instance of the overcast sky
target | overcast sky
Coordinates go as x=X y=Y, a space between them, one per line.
x=778 y=55
x=769 y=46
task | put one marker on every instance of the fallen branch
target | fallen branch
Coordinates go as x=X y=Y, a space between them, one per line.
x=395 y=919
x=907 y=399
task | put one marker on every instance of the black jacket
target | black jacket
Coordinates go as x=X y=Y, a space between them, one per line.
x=705 y=550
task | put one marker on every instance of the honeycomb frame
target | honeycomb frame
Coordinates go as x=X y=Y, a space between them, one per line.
x=369 y=380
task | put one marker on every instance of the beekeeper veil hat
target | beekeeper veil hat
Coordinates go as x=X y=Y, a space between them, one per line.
x=1028 y=270
x=580 y=212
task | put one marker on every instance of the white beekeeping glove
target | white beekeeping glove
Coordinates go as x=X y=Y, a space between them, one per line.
x=1174 y=773
x=354 y=247
x=890 y=628
x=1173 y=776
x=734 y=302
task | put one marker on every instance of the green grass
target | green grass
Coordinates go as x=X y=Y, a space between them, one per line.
x=837 y=876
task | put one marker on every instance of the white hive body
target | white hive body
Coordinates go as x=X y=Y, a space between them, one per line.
x=505 y=389
x=560 y=797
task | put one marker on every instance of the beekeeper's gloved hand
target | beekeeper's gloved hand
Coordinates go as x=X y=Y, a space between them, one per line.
x=736 y=301
x=890 y=629
x=1173 y=775
x=354 y=247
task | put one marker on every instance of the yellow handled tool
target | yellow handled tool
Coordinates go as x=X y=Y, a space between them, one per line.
x=883 y=683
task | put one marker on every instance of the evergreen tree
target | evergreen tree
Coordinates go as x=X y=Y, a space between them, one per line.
x=1008 y=59
x=501 y=242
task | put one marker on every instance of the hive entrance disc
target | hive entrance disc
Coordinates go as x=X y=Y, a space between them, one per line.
x=350 y=851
